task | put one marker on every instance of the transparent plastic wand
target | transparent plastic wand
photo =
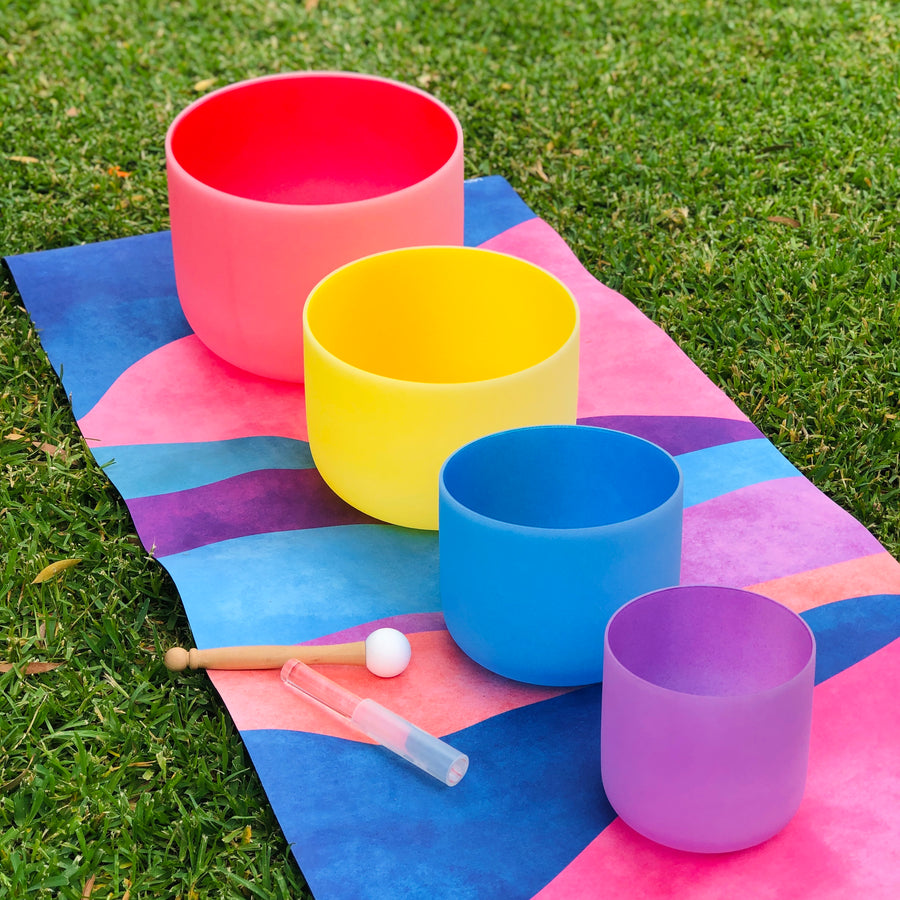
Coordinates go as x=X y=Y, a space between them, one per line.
x=387 y=728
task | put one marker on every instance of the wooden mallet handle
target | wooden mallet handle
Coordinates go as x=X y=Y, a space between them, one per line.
x=272 y=656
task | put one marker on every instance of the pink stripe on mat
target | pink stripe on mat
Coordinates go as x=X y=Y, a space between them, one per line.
x=442 y=691
x=629 y=365
x=182 y=393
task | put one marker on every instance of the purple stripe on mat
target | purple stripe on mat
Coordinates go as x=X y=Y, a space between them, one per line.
x=253 y=503
x=679 y=434
x=767 y=531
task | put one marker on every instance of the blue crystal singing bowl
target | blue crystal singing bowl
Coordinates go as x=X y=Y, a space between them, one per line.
x=544 y=533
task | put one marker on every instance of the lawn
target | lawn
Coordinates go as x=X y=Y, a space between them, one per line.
x=732 y=168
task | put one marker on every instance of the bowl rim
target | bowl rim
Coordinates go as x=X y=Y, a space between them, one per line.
x=312 y=74
x=580 y=531
x=437 y=386
x=784 y=685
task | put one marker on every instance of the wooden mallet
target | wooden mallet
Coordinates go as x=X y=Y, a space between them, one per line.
x=385 y=652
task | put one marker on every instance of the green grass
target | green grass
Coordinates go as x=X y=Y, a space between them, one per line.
x=730 y=167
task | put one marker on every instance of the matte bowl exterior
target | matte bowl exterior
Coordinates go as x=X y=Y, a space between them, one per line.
x=544 y=533
x=276 y=181
x=411 y=353
x=706 y=716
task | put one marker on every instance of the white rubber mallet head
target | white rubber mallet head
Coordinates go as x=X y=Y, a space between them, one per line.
x=387 y=652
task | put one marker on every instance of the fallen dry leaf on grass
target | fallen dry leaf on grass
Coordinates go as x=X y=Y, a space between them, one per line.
x=54 y=569
x=48 y=448
x=538 y=169
x=783 y=220
x=35 y=668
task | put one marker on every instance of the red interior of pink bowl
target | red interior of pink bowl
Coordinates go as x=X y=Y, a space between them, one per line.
x=314 y=139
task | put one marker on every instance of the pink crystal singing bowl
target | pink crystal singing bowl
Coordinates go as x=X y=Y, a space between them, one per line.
x=706 y=715
x=277 y=181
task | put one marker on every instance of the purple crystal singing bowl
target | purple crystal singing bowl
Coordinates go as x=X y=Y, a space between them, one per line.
x=707 y=708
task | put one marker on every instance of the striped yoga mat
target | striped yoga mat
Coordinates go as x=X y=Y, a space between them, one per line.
x=216 y=472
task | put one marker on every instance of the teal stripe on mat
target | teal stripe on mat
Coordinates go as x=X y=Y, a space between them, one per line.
x=143 y=470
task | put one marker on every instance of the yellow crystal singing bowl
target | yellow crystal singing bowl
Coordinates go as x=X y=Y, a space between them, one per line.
x=409 y=354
